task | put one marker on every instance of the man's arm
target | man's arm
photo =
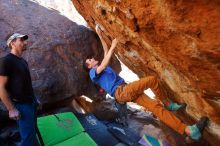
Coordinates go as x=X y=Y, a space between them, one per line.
x=3 y=93
x=104 y=45
x=13 y=112
x=107 y=58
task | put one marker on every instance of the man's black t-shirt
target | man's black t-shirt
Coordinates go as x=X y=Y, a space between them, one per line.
x=19 y=86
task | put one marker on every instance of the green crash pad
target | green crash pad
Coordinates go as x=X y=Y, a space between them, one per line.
x=62 y=127
x=82 y=139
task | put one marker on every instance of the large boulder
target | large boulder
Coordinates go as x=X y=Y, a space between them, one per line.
x=57 y=47
x=177 y=40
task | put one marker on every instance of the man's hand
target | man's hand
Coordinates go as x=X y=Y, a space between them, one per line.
x=14 y=114
x=114 y=43
x=98 y=29
x=99 y=32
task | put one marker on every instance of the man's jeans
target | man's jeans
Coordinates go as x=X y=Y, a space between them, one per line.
x=27 y=123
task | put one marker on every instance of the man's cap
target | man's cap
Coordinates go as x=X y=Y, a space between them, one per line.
x=16 y=35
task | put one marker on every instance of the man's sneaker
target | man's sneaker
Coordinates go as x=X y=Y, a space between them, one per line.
x=197 y=129
x=175 y=106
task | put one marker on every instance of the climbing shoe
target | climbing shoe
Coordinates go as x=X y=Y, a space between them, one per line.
x=197 y=129
x=175 y=106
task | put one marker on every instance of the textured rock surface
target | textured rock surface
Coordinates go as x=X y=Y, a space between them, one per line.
x=57 y=47
x=177 y=40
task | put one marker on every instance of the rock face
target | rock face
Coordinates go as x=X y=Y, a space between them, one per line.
x=177 y=40
x=55 y=50
x=57 y=47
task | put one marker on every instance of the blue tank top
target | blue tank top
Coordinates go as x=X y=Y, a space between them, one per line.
x=108 y=79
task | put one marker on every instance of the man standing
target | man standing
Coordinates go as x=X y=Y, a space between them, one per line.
x=16 y=90
x=105 y=76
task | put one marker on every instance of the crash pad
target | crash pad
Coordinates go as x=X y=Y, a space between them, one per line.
x=61 y=128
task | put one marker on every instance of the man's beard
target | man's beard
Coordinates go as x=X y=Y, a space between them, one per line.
x=24 y=48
